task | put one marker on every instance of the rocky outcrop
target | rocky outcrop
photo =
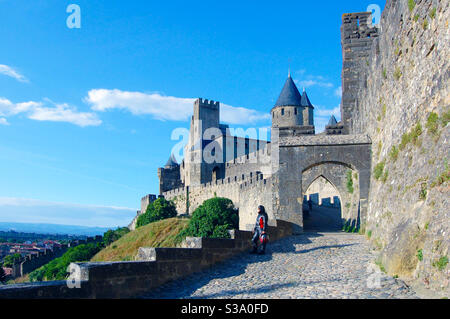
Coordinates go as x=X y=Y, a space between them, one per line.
x=403 y=105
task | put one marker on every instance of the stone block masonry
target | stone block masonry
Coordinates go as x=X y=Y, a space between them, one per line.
x=246 y=191
x=399 y=95
x=153 y=267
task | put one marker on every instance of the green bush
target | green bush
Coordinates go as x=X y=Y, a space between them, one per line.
x=415 y=133
x=113 y=235
x=212 y=219
x=10 y=260
x=397 y=73
x=394 y=153
x=411 y=5
x=350 y=182
x=158 y=210
x=441 y=263
x=378 y=170
x=57 y=268
x=420 y=254
x=445 y=118
x=406 y=138
x=433 y=123
x=385 y=176
x=433 y=13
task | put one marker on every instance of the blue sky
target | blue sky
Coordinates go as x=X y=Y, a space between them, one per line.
x=86 y=114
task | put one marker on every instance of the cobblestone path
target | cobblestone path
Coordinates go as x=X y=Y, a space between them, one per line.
x=311 y=265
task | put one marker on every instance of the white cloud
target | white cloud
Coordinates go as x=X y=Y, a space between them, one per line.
x=54 y=113
x=338 y=92
x=324 y=112
x=9 y=71
x=64 y=113
x=164 y=107
x=137 y=103
x=309 y=83
x=322 y=116
x=3 y=121
x=240 y=115
x=312 y=80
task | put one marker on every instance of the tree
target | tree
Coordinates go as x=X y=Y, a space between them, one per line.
x=57 y=268
x=158 y=210
x=113 y=235
x=10 y=260
x=213 y=219
x=2 y=275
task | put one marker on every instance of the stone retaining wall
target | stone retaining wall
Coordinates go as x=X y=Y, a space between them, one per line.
x=154 y=267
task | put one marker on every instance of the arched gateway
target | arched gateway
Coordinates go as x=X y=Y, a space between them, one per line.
x=344 y=160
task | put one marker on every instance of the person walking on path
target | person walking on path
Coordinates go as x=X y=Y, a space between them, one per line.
x=259 y=232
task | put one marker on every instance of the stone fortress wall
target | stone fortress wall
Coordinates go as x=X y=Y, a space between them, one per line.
x=399 y=95
x=246 y=192
x=34 y=261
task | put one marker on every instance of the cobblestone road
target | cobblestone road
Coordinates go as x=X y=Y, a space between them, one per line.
x=311 y=265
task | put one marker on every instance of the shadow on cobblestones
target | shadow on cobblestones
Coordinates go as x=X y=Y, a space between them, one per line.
x=190 y=284
x=284 y=246
x=259 y=290
x=322 y=247
x=223 y=271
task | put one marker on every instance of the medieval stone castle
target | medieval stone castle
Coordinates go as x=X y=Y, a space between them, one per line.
x=276 y=174
x=387 y=147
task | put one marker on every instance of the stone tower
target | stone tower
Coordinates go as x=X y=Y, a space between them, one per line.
x=293 y=113
x=357 y=35
x=169 y=175
x=205 y=119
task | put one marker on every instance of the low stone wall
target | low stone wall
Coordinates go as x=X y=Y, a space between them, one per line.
x=154 y=267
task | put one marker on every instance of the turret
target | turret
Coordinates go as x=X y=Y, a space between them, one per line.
x=308 y=110
x=169 y=176
x=292 y=111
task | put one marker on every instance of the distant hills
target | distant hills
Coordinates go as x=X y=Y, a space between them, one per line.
x=52 y=229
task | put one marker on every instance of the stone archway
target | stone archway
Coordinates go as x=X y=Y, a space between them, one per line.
x=344 y=180
x=322 y=207
x=334 y=157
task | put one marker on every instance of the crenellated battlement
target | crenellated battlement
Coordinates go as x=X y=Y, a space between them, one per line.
x=251 y=158
x=207 y=103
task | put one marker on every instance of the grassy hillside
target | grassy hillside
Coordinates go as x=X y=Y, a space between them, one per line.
x=157 y=234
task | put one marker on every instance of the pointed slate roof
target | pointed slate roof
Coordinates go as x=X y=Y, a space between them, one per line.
x=305 y=100
x=290 y=96
x=171 y=162
x=332 y=121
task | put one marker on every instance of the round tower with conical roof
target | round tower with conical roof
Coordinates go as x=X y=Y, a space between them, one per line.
x=293 y=111
x=288 y=111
